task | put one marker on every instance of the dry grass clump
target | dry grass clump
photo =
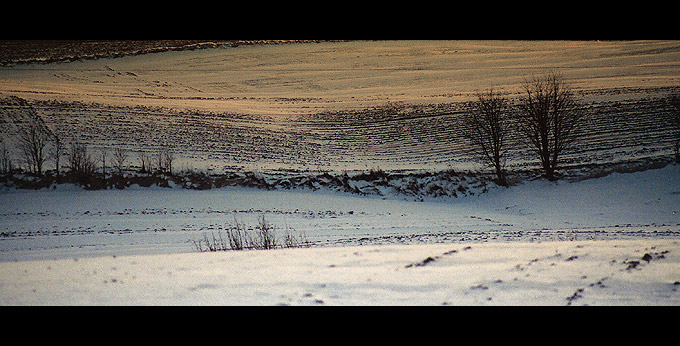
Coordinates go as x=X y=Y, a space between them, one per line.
x=260 y=237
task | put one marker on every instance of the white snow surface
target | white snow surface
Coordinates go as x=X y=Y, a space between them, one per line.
x=614 y=240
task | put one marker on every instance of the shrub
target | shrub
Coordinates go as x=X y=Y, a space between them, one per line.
x=265 y=235
x=239 y=237
x=290 y=240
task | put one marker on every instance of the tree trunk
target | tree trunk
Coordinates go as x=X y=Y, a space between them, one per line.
x=502 y=180
x=550 y=173
x=548 y=168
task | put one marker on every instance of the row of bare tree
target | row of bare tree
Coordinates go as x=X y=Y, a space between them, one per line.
x=546 y=116
x=37 y=144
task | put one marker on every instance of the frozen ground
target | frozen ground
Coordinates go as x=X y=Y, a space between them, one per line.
x=608 y=241
x=341 y=105
x=70 y=221
x=336 y=106
x=609 y=272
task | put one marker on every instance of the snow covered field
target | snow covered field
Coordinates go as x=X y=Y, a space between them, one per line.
x=342 y=105
x=608 y=241
x=334 y=107
x=611 y=272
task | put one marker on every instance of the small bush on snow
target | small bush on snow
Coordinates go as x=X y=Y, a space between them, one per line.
x=238 y=237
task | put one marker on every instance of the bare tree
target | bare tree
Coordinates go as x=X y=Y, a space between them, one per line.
x=168 y=158
x=548 y=118
x=102 y=158
x=57 y=150
x=119 y=158
x=485 y=125
x=145 y=162
x=5 y=159
x=33 y=141
x=159 y=161
x=164 y=159
x=674 y=101
x=80 y=162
